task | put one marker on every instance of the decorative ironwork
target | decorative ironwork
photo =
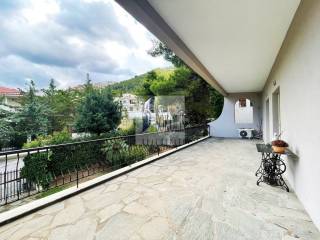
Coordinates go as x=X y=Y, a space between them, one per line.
x=271 y=167
x=84 y=160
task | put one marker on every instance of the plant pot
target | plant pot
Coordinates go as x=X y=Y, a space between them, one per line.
x=277 y=149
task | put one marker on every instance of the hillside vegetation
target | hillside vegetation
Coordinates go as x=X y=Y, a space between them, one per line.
x=134 y=84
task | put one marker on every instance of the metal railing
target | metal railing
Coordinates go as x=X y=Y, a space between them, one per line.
x=27 y=172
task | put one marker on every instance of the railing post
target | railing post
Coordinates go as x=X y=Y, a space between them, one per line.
x=18 y=179
x=77 y=177
x=5 y=180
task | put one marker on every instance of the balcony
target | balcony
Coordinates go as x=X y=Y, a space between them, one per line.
x=206 y=191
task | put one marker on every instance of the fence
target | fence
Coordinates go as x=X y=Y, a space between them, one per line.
x=27 y=172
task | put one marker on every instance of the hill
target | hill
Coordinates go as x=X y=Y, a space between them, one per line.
x=131 y=85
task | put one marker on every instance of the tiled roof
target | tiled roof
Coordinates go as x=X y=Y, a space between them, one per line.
x=9 y=91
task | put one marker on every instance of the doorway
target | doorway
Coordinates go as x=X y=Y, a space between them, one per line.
x=267 y=119
x=276 y=113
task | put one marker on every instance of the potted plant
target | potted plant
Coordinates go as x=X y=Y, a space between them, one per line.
x=279 y=146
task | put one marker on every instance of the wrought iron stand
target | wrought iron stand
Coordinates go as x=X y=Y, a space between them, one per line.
x=271 y=168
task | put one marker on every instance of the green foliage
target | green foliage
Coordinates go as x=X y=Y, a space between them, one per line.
x=128 y=86
x=40 y=141
x=129 y=131
x=136 y=153
x=216 y=101
x=136 y=84
x=163 y=86
x=68 y=158
x=6 y=133
x=36 y=170
x=56 y=138
x=51 y=191
x=160 y=49
x=61 y=105
x=152 y=129
x=32 y=120
x=18 y=139
x=60 y=137
x=119 y=154
x=98 y=113
x=115 y=151
x=201 y=100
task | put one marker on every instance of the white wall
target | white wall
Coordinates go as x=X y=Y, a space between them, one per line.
x=225 y=125
x=244 y=114
x=297 y=74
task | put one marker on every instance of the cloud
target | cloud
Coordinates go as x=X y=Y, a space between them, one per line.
x=95 y=19
x=65 y=39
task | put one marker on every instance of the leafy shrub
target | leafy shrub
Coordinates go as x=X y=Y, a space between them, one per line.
x=119 y=154
x=136 y=153
x=71 y=157
x=60 y=137
x=6 y=133
x=152 y=129
x=115 y=152
x=40 y=141
x=36 y=170
x=56 y=138
x=18 y=140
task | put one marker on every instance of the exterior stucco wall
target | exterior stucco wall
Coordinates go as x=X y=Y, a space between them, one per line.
x=297 y=74
x=225 y=125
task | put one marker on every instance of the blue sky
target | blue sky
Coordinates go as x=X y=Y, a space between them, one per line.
x=65 y=39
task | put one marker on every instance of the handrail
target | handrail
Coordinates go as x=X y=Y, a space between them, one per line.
x=10 y=152
x=82 y=161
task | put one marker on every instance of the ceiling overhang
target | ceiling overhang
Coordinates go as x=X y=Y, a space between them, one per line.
x=231 y=44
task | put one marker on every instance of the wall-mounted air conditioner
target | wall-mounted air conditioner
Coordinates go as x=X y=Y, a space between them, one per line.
x=245 y=132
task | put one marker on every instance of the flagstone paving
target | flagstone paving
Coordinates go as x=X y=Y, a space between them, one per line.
x=207 y=191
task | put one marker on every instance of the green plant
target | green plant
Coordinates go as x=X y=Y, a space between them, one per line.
x=40 y=141
x=98 y=113
x=32 y=119
x=61 y=137
x=51 y=191
x=35 y=169
x=115 y=152
x=136 y=153
x=152 y=129
x=6 y=133
x=56 y=138
x=70 y=157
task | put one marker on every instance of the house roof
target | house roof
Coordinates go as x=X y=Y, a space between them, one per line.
x=9 y=91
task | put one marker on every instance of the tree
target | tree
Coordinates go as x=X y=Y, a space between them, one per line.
x=201 y=100
x=32 y=120
x=49 y=100
x=52 y=89
x=145 y=89
x=160 y=49
x=98 y=113
x=6 y=132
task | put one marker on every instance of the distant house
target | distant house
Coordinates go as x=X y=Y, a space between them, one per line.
x=9 y=98
x=131 y=104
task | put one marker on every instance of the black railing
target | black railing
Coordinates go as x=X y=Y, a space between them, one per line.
x=27 y=172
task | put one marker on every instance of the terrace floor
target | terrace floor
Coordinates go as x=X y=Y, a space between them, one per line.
x=207 y=191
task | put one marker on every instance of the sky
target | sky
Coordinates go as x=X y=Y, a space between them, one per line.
x=66 y=39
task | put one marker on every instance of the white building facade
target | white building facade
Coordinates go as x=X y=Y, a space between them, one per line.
x=264 y=51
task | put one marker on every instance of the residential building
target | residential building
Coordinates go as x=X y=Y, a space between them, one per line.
x=263 y=55
x=131 y=105
x=264 y=51
x=9 y=98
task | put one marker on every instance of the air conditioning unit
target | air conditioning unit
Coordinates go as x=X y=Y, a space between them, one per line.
x=245 y=132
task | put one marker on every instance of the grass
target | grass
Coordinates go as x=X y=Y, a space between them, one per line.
x=51 y=191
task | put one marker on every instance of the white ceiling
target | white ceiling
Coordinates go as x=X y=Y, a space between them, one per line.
x=236 y=40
